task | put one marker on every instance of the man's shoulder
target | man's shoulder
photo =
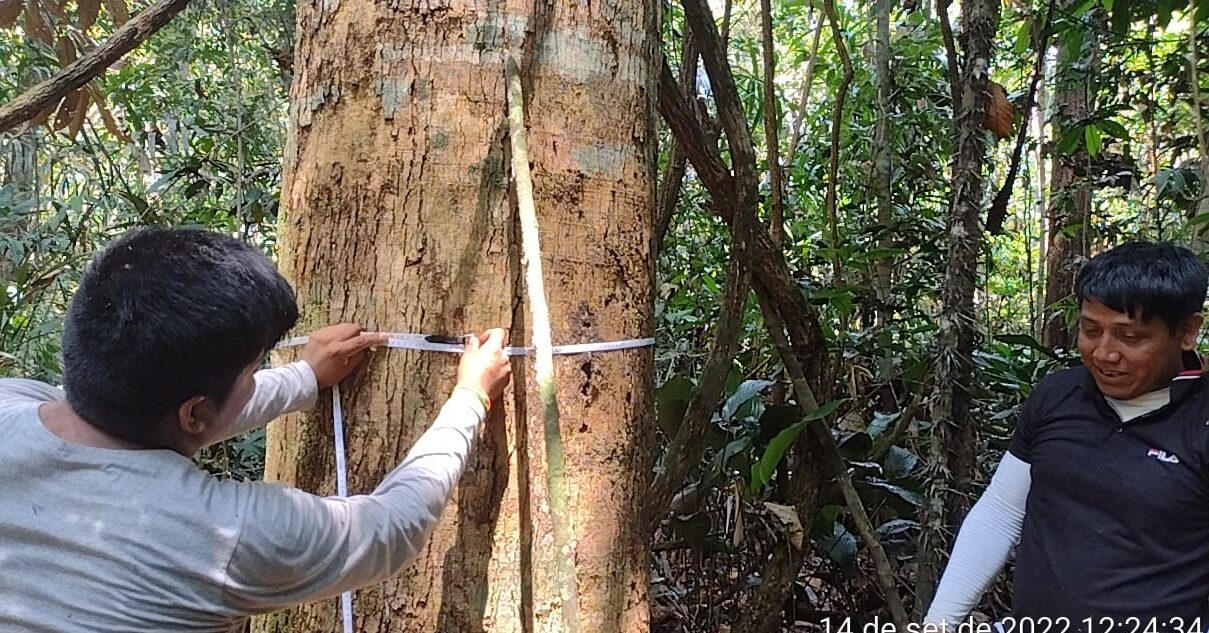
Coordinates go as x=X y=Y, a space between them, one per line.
x=1062 y=383
x=18 y=390
x=1057 y=389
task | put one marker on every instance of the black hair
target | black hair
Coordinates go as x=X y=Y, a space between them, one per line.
x=1146 y=280
x=163 y=315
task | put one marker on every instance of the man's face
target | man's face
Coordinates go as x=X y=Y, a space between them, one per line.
x=1127 y=357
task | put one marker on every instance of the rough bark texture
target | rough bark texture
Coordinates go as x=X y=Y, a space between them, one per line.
x=397 y=216
x=882 y=170
x=953 y=443
x=1070 y=194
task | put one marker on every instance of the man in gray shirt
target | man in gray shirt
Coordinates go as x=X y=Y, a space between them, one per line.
x=106 y=524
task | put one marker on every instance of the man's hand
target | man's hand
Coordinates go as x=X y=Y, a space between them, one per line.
x=335 y=351
x=485 y=366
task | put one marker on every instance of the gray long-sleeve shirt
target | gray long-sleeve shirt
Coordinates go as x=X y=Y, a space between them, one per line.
x=96 y=539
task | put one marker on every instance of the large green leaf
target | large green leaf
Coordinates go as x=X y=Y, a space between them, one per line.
x=746 y=390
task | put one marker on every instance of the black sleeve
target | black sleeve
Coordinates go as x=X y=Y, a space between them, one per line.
x=1027 y=422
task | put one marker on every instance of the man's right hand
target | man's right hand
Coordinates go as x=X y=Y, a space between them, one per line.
x=485 y=366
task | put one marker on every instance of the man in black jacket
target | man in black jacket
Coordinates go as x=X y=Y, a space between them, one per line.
x=1104 y=490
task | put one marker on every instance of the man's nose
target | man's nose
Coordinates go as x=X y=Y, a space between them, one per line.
x=1106 y=353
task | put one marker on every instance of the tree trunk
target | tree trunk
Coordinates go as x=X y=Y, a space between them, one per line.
x=883 y=188
x=1070 y=194
x=954 y=441
x=397 y=216
x=881 y=155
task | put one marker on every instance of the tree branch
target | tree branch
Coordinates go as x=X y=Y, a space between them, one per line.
x=998 y=210
x=688 y=445
x=806 y=85
x=556 y=468
x=45 y=95
x=776 y=217
x=677 y=162
x=954 y=70
x=837 y=118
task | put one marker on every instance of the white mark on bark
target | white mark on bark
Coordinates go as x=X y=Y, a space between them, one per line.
x=393 y=94
x=598 y=160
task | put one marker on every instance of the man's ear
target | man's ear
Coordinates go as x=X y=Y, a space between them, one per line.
x=196 y=416
x=1191 y=330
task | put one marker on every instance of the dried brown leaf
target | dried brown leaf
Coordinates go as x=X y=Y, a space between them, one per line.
x=81 y=114
x=87 y=13
x=66 y=50
x=9 y=10
x=39 y=118
x=117 y=11
x=107 y=117
x=57 y=10
x=67 y=110
x=793 y=524
x=36 y=27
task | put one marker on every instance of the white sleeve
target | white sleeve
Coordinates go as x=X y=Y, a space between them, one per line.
x=279 y=391
x=983 y=544
x=296 y=547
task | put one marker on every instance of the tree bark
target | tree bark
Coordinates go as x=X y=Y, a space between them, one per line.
x=772 y=127
x=882 y=171
x=1070 y=194
x=953 y=449
x=397 y=216
x=45 y=95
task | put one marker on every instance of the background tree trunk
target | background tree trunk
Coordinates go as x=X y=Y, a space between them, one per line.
x=953 y=451
x=397 y=216
x=1070 y=194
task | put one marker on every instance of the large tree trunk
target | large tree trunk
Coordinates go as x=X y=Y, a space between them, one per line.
x=1070 y=194
x=398 y=217
x=954 y=441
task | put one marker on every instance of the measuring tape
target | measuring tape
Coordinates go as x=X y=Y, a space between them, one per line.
x=431 y=343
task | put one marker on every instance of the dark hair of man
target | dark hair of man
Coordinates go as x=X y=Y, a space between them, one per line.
x=162 y=316
x=1146 y=280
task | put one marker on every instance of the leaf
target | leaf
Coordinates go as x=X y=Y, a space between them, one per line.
x=792 y=522
x=761 y=471
x=840 y=545
x=9 y=10
x=56 y=10
x=824 y=410
x=40 y=118
x=67 y=110
x=899 y=462
x=1024 y=37
x=882 y=421
x=894 y=527
x=910 y=496
x=77 y=121
x=1024 y=340
x=746 y=390
x=671 y=403
x=117 y=11
x=1070 y=140
x=111 y=123
x=1114 y=129
x=66 y=51
x=87 y=11
x=1094 y=138
x=35 y=24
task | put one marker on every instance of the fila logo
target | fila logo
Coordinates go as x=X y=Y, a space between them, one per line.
x=1163 y=456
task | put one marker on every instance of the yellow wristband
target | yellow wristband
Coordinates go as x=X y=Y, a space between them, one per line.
x=484 y=399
